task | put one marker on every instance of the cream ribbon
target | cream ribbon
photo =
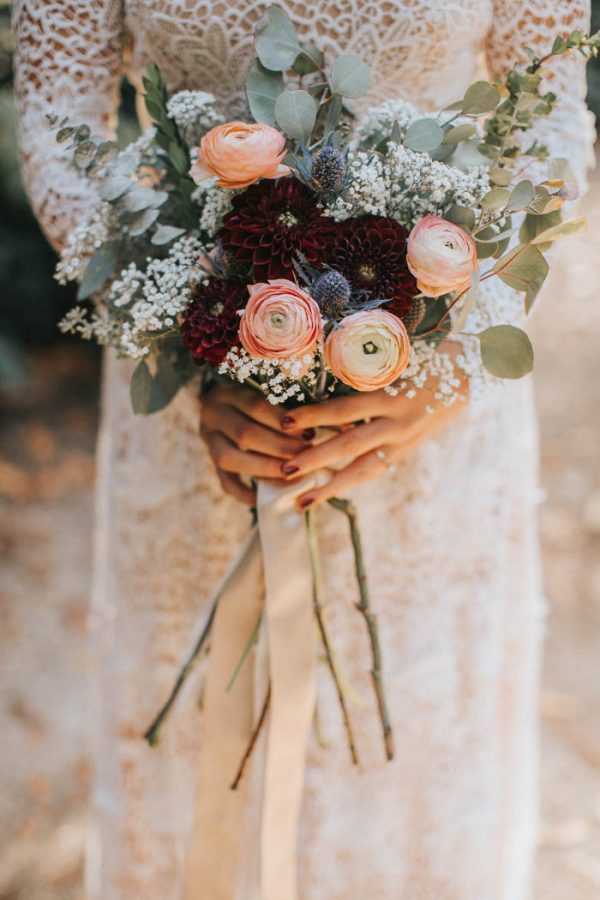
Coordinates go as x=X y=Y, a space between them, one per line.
x=279 y=549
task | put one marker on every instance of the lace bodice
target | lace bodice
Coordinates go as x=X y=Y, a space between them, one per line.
x=70 y=55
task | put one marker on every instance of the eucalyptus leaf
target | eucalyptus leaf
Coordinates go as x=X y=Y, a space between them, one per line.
x=534 y=224
x=82 y=133
x=423 y=135
x=141 y=221
x=140 y=388
x=263 y=87
x=506 y=351
x=164 y=234
x=563 y=229
x=98 y=271
x=547 y=204
x=501 y=177
x=165 y=383
x=310 y=59
x=64 y=134
x=332 y=116
x=459 y=133
x=114 y=187
x=480 y=98
x=140 y=198
x=521 y=196
x=523 y=269
x=497 y=198
x=350 y=76
x=460 y=215
x=276 y=41
x=296 y=113
x=84 y=153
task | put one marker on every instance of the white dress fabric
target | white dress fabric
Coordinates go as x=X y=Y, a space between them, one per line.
x=450 y=536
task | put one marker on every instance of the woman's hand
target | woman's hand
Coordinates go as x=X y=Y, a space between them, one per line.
x=244 y=437
x=392 y=427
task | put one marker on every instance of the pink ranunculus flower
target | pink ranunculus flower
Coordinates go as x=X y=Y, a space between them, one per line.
x=368 y=350
x=237 y=154
x=280 y=320
x=441 y=256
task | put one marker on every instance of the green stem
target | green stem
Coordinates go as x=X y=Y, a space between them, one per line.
x=364 y=607
x=253 y=740
x=246 y=651
x=152 y=735
x=317 y=595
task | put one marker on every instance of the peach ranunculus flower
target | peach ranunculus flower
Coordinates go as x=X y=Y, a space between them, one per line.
x=280 y=320
x=368 y=350
x=441 y=256
x=237 y=154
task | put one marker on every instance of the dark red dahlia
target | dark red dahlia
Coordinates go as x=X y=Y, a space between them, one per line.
x=270 y=222
x=210 y=323
x=371 y=252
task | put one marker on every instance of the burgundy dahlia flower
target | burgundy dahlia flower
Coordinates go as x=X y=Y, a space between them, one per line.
x=270 y=222
x=370 y=252
x=210 y=324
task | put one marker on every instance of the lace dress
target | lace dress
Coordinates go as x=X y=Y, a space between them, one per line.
x=450 y=535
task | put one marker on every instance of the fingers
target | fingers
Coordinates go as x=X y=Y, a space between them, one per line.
x=232 y=485
x=228 y=458
x=246 y=400
x=364 y=468
x=355 y=442
x=249 y=435
x=341 y=411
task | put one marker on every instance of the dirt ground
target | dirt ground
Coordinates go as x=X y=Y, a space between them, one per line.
x=46 y=478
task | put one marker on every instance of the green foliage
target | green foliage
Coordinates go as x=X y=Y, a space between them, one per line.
x=99 y=269
x=424 y=135
x=506 y=351
x=296 y=113
x=263 y=87
x=276 y=41
x=350 y=77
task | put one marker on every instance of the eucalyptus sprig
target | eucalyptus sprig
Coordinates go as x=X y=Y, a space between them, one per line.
x=289 y=84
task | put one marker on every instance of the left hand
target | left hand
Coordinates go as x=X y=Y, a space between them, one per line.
x=391 y=427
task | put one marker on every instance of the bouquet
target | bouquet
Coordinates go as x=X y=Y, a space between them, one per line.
x=308 y=252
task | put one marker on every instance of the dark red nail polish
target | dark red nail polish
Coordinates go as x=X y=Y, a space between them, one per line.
x=289 y=470
x=306 y=501
x=309 y=434
x=288 y=422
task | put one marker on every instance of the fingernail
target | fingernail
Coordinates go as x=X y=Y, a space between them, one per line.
x=288 y=422
x=305 y=501
x=287 y=469
x=309 y=434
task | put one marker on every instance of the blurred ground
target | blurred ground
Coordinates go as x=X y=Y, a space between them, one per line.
x=46 y=475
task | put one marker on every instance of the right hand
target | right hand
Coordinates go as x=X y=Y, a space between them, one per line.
x=244 y=436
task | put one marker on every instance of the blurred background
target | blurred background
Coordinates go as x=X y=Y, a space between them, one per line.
x=49 y=412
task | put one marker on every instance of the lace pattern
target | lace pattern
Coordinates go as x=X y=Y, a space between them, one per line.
x=450 y=535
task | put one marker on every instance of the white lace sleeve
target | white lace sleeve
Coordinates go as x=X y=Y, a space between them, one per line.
x=568 y=132
x=68 y=58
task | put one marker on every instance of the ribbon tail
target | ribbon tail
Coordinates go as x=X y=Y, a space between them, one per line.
x=293 y=677
x=214 y=850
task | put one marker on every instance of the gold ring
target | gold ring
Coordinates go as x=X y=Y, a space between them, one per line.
x=382 y=457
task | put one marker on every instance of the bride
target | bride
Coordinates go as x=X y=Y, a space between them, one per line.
x=447 y=509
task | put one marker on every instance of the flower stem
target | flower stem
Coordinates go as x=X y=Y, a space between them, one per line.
x=364 y=607
x=245 y=652
x=253 y=740
x=317 y=594
x=152 y=735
